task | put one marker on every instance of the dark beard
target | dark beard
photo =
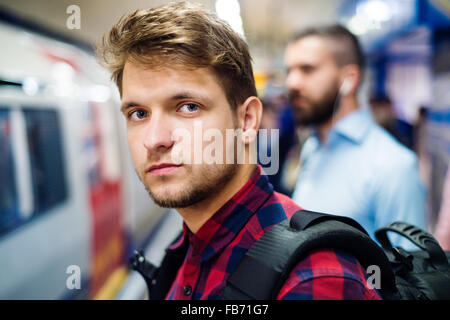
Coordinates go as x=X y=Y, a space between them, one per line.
x=317 y=112
x=210 y=183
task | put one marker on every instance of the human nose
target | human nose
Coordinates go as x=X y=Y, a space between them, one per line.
x=294 y=80
x=158 y=135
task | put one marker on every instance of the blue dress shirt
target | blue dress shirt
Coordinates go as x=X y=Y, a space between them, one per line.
x=363 y=173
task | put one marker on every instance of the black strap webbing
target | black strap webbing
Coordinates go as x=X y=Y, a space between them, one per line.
x=252 y=274
x=167 y=272
x=309 y=218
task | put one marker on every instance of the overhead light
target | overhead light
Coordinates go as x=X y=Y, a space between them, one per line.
x=371 y=16
x=358 y=26
x=230 y=11
x=374 y=10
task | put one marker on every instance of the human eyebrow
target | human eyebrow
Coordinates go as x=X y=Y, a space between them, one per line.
x=190 y=95
x=184 y=95
x=128 y=105
x=307 y=67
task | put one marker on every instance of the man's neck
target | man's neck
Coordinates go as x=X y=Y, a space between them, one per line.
x=196 y=215
x=347 y=105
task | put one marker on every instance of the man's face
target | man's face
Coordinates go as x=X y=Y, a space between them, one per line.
x=312 y=79
x=155 y=102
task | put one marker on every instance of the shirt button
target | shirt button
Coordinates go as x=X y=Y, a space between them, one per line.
x=187 y=290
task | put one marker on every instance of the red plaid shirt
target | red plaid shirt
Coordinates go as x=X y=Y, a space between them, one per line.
x=216 y=248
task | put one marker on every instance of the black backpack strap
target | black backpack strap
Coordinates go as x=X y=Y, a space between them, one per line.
x=304 y=219
x=160 y=279
x=146 y=269
x=266 y=266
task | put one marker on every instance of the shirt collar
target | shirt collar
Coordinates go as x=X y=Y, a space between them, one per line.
x=225 y=224
x=355 y=125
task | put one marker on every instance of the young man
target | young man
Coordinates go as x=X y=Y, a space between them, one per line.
x=179 y=67
x=350 y=166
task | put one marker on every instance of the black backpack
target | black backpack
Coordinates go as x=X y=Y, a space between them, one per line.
x=403 y=275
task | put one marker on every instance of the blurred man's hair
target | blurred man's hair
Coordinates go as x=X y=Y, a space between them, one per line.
x=180 y=35
x=380 y=99
x=346 y=47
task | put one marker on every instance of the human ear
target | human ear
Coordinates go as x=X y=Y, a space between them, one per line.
x=350 y=80
x=250 y=113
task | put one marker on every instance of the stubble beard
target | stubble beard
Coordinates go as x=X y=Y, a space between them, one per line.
x=317 y=112
x=209 y=180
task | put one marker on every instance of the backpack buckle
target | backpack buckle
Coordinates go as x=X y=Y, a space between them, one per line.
x=147 y=270
x=403 y=257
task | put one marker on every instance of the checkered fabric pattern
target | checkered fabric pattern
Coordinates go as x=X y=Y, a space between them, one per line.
x=217 y=247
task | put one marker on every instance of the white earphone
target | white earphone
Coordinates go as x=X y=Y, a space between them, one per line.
x=345 y=87
x=343 y=90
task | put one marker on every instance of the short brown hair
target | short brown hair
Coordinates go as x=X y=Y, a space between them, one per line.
x=180 y=34
x=346 y=48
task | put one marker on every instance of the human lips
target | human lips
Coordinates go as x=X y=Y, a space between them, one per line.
x=162 y=169
x=299 y=101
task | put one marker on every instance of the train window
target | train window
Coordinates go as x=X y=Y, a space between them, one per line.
x=46 y=158
x=9 y=215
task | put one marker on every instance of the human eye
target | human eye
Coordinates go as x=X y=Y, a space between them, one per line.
x=308 y=69
x=137 y=115
x=189 y=108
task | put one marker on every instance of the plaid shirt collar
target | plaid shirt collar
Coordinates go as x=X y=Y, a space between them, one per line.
x=219 y=230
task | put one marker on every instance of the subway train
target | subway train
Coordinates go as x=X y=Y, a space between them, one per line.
x=71 y=206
